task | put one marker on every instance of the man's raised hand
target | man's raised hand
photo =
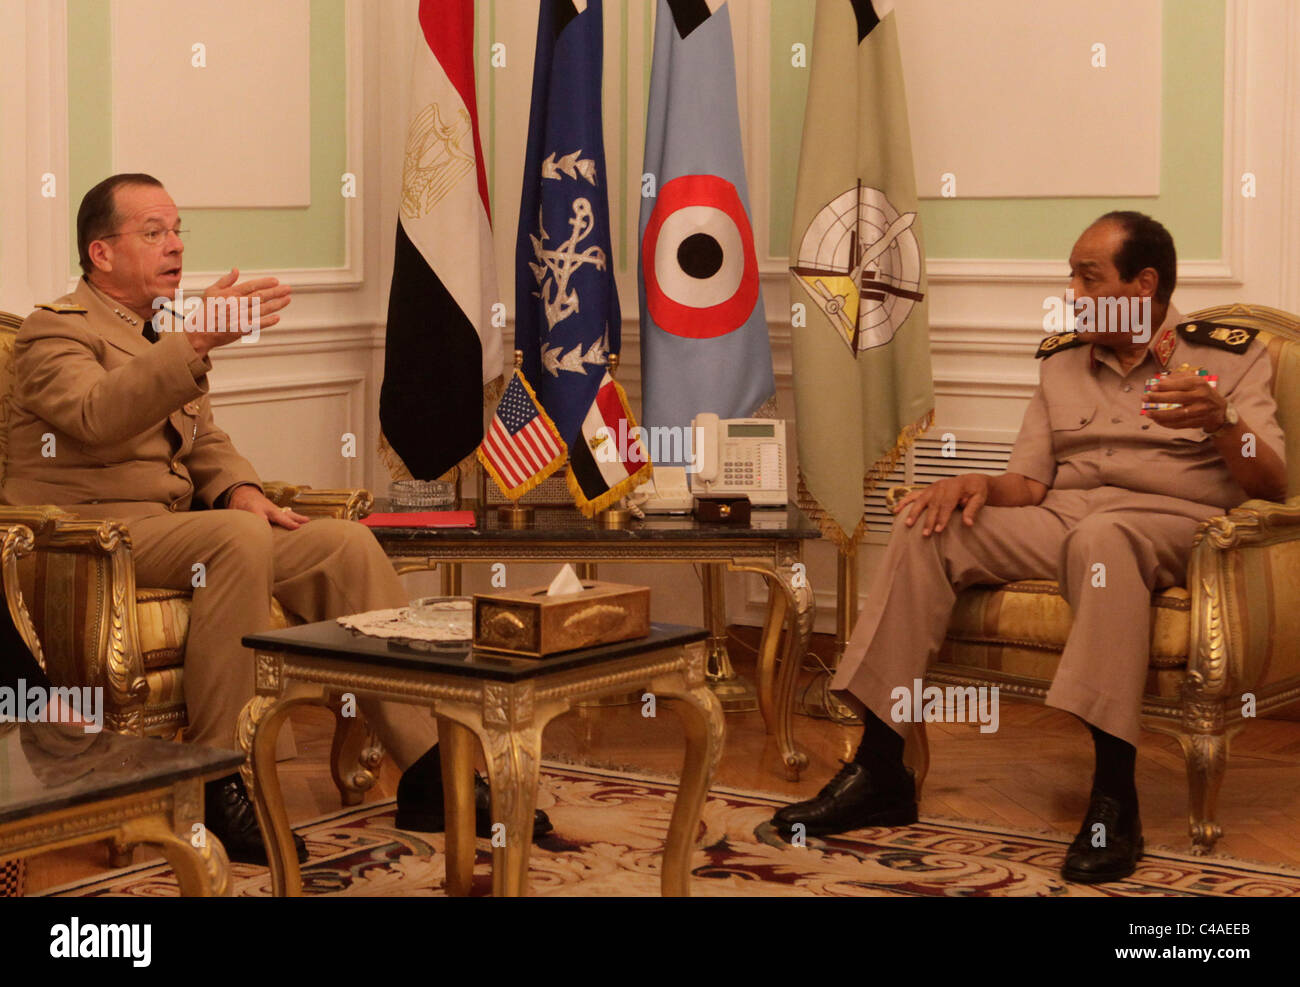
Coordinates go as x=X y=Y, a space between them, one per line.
x=936 y=502
x=230 y=311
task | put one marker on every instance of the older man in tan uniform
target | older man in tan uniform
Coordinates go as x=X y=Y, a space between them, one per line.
x=111 y=419
x=1099 y=497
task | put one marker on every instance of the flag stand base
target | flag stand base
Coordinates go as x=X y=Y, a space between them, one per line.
x=514 y=516
x=817 y=700
x=615 y=517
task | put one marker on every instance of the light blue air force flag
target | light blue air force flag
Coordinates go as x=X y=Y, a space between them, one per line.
x=704 y=340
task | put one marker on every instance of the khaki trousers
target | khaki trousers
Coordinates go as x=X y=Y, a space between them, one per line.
x=326 y=568
x=1142 y=540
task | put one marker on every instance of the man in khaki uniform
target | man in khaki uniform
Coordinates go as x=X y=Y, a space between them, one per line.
x=1097 y=496
x=111 y=419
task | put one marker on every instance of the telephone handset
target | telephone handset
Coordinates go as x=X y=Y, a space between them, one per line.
x=740 y=456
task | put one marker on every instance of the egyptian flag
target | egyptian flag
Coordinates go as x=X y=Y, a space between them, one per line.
x=704 y=339
x=609 y=459
x=862 y=383
x=566 y=304
x=442 y=351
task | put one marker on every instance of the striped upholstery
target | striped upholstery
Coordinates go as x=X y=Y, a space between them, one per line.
x=1020 y=629
x=163 y=616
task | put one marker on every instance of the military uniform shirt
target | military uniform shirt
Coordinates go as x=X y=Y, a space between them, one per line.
x=1084 y=428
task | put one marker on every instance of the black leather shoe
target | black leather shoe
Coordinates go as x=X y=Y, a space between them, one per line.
x=420 y=807
x=1122 y=843
x=852 y=799
x=229 y=815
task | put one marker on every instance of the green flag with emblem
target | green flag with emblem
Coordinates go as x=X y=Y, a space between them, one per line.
x=862 y=382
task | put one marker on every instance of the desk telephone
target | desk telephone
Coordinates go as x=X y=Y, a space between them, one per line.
x=733 y=456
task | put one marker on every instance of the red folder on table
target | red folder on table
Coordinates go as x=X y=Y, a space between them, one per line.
x=421 y=519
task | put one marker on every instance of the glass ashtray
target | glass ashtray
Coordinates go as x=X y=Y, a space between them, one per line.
x=451 y=618
x=421 y=495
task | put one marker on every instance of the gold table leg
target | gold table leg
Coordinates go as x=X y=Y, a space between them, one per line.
x=450 y=578
x=705 y=727
x=732 y=690
x=259 y=725
x=456 y=751
x=201 y=872
x=818 y=700
x=795 y=610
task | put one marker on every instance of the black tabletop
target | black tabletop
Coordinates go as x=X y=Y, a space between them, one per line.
x=329 y=639
x=44 y=768
x=567 y=524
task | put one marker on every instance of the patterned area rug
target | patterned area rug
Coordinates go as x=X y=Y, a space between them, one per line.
x=610 y=829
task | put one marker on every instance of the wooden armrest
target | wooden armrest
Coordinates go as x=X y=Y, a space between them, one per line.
x=38 y=517
x=350 y=505
x=1236 y=608
x=105 y=653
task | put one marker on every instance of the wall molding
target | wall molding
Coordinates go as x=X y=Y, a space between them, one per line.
x=351 y=388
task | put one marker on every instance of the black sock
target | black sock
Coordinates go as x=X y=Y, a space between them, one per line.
x=1116 y=763
x=881 y=750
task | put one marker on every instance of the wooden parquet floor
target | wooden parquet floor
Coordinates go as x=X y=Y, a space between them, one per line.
x=1034 y=773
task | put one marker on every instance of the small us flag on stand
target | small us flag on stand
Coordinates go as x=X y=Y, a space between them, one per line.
x=522 y=447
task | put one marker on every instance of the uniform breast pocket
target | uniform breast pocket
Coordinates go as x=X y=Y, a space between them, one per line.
x=1071 y=416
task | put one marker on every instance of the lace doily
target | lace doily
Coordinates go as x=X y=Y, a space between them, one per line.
x=397 y=624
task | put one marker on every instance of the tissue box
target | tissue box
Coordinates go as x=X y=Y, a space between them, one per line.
x=528 y=622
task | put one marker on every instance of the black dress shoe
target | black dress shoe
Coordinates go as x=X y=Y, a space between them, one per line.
x=229 y=815
x=852 y=799
x=420 y=807
x=1122 y=845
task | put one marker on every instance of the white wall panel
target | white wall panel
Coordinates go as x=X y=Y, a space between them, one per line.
x=235 y=132
x=1000 y=125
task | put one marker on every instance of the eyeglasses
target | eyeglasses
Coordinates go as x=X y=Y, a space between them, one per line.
x=152 y=236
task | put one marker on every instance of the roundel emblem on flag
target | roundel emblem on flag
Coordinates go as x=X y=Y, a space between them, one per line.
x=698 y=260
x=861 y=263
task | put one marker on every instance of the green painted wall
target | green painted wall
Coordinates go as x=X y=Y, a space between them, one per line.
x=1191 y=161
x=275 y=239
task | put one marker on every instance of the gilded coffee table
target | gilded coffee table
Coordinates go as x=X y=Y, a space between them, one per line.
x=771 y=545
x=502 y=701
x=60 y=787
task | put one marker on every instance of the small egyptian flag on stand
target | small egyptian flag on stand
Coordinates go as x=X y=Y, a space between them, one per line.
x=608 y=460
x=704 y=338
x=442 y=356
x=522 y=447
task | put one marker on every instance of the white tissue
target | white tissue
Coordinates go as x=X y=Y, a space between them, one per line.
x=565 y=582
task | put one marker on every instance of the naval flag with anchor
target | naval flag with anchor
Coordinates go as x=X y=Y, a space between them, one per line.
x=862 y=383
x=704 y=338
x=567 y=314
x=442 y=355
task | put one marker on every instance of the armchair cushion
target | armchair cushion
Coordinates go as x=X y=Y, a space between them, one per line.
x=163 y=617
x=1020 y=629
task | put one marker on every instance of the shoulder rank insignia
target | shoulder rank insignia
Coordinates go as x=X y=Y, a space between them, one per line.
x=62 y=309
x=1056 y=343
x=1234 y=339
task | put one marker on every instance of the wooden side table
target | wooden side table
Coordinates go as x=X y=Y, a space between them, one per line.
x=61 y=790
x=505 y=703
x=770 y=546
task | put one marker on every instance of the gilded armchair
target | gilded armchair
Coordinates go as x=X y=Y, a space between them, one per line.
x=1224 y=648
x=100 y=629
